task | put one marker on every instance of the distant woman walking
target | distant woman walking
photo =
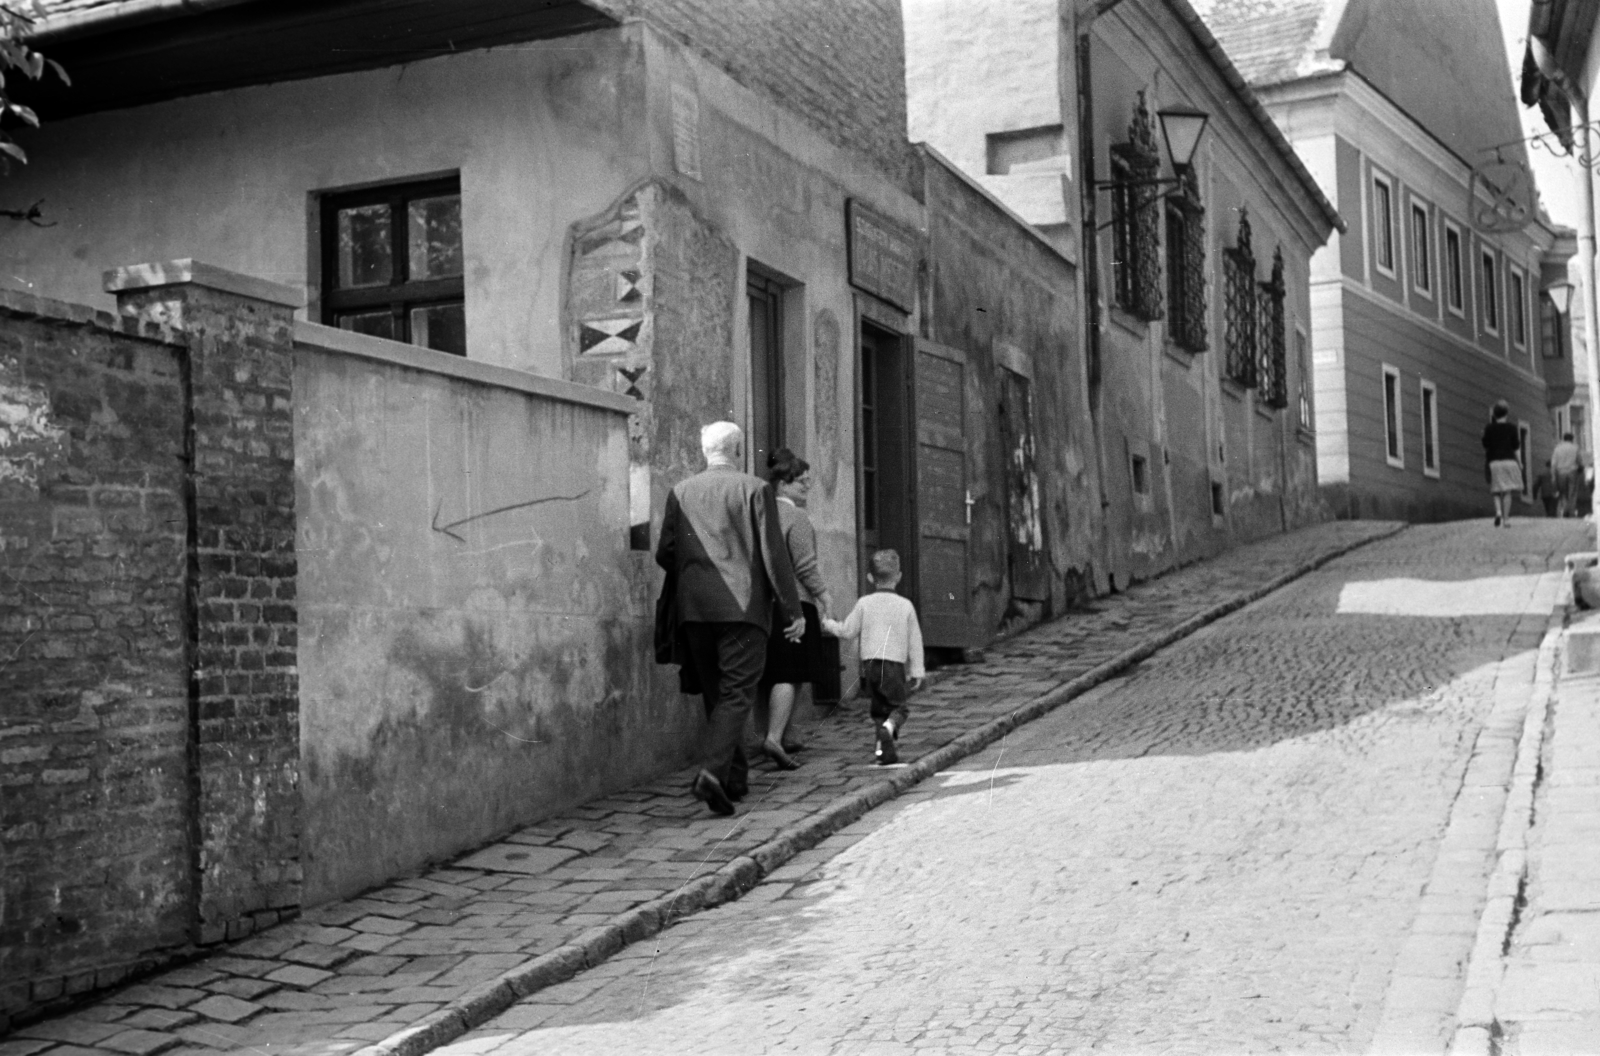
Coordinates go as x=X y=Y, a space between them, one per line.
x=1500 y=446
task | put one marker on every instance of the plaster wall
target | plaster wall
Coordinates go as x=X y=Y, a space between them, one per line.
x=473 y=652
x=540 y=133
x=1013 y=48
x=1008 y=301
x=1161 y=403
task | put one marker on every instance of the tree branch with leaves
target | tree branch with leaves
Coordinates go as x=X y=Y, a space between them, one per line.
x=18 y=58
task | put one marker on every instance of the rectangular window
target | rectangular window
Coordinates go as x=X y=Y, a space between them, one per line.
x=1552 y=335
x=1516 y=312
x=392 y=263
x=1491 y=293
x=1383 y=225
x=1453 y=270
x=1186 y=266
x=1303 y=362
x=1430 y=429
x=1394 y=450
x=1421 y=250
x=1524 y=438
x=1217 y=506
x=1141 y=476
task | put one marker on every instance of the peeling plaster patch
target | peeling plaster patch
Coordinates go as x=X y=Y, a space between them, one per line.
x=28 y=439
x=1148 y=544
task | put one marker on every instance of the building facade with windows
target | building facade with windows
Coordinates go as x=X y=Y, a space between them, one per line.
x=1430 y=307
x=1194 y=277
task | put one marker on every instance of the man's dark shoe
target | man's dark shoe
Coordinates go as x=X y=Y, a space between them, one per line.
x=709 y=791
x=791 y=744
x=737 y=790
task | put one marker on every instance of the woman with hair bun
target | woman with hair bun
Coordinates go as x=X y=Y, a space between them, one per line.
x=793 y=664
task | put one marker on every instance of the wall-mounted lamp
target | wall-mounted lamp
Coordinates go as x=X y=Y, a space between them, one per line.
x=1182 y=127
x=1560 y=294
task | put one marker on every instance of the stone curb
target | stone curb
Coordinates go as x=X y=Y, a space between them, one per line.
x=728 y=883
x=1476 y=1028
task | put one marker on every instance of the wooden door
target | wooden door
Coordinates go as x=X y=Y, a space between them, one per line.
x=883 y=462
x=1026 y=558
x=944 y=506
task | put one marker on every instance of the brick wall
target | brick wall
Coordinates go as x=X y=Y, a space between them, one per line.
x=149 y=747
x=246 y=711
x=94 y=850
x=840 y=63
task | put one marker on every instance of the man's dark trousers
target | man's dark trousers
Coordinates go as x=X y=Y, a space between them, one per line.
x=728 y=659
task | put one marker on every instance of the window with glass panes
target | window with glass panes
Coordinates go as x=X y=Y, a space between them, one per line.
x=1239 y=307
x=392 y=263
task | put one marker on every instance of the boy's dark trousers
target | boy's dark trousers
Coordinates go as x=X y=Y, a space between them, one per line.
x=885 y=682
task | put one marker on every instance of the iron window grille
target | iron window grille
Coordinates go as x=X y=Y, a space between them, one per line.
x=392 y=263
x=1135 y=238
x=1239 y=306
x=1270 y=338
x=1186 y=265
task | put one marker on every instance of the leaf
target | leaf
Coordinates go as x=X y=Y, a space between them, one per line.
x=24 y=112
x=35 y=65
x=8 y=147
x=60 y=72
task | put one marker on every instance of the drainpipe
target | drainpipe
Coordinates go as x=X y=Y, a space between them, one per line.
x=1586 y=239
x=1088 y=223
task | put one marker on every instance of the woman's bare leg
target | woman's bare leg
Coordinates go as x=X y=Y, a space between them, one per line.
x=778 y=712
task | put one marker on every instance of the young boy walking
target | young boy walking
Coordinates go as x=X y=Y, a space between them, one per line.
x=891 y=650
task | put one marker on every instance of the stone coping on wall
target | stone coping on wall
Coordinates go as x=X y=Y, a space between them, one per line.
x=189 y=271
x=16 y=302
x=413 y=357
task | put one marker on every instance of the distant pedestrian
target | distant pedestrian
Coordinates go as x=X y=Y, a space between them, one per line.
x=1566 y=467
x=790 y=664
x=1500 y=447
x=722 y=545
x=891 y=651
x=1544 y=489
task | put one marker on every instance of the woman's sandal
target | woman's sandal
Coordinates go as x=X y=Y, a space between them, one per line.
x=779 y=757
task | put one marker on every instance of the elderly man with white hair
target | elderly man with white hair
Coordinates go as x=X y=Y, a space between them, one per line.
x=721 y=538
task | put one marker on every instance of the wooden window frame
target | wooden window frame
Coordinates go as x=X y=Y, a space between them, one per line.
x=1455 y=264
x=1552 y=338
x=1489 y=280
x=1186 y=266
x=1421 y=249
x=1517 y=306
x=402 y=294
x=1240 y=316
x=1429 y=395
x=1394 y=431
x=1383 y=240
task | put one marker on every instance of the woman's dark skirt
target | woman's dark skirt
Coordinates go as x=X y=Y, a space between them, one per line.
x=813 y=659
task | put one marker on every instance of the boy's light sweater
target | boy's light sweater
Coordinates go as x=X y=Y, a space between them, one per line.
x=887 y=625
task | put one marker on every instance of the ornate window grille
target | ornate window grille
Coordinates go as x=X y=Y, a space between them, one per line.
x=1186 y=266
x=1239 y=307
x=1270 y=338
x=1135 y=222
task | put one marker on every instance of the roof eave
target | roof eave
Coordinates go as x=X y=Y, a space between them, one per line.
x=1235 y=80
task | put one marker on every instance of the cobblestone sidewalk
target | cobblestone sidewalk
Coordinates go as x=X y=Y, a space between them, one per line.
x=1547 y=997
x=410 y=965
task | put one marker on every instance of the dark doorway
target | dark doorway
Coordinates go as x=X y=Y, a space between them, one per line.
x=884 y=455
x=766 y=369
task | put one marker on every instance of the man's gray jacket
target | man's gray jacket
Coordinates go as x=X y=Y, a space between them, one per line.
x=721 y=537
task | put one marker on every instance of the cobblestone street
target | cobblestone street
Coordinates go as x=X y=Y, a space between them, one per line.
x=1223 y=851
x=1234 y=845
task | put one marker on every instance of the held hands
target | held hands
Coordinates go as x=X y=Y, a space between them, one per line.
x=796 y=630
x=831 y=627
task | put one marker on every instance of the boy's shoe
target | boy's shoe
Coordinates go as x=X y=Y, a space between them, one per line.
x=886 y=751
